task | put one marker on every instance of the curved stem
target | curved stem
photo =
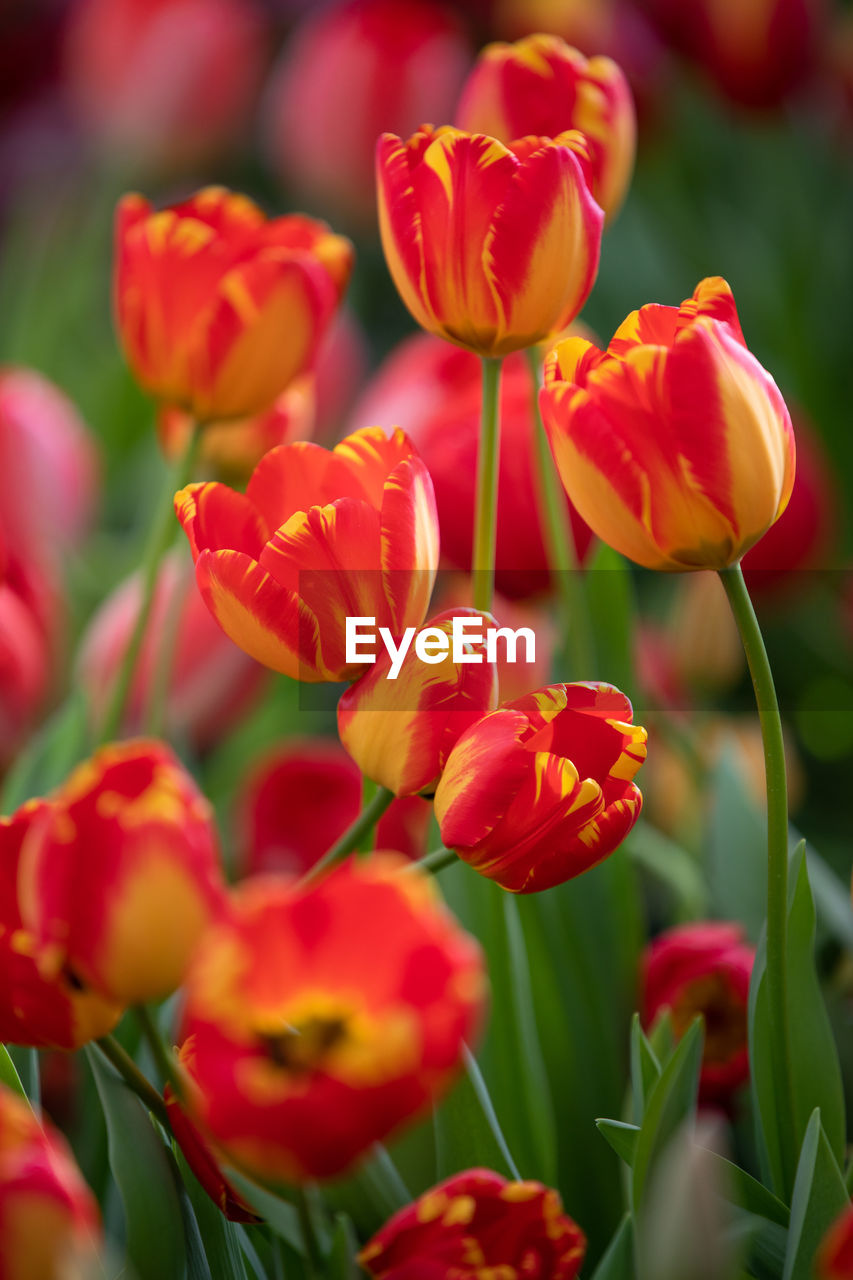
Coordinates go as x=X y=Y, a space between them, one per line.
x=352 y=837
x=434 y=861
x=560 y=543
x=162 y=1055
x=159 y=537
x=486 y=510
x=133 y=1077
x=777 y=853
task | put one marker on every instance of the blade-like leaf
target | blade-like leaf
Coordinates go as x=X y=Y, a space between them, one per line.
x=645 y=1068
x=819 y=1196
x=618 y=1260
x=467 y=1131
x=622 y=1138
x=670 y=1102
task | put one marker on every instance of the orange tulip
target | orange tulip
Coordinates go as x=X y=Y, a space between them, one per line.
x=541 y=790
x=325 y=1017
x=493 y=247
x=674 y=444
x=219 y=308
x=318 y=536
x=541 y=85
x=120 y=874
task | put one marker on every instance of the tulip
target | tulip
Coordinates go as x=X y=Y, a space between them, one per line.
x=120 y=875
x=301 y=797
x=675 y=444
x=325 y=1017
x=218 y=308
x=400 y=731
x=198 y=1152
x=163 y=83
x=49 y=1222
x=434 y=389
x=478 y=1219
x=704 y=968
x=25 y=668
x=543 y=86
x=540 y=790
x=318 y=537
x=834 y=1260
x=211 y=682
x=334 y=92
x=492 y=247
x=58 y=1010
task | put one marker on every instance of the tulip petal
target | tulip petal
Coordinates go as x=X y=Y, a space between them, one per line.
x=372 y=456
x=267 y=621
x=401 y=228
x=543 y=247
x=410 y=548
x=215 y=517
x=295 y=477
x=484 y=772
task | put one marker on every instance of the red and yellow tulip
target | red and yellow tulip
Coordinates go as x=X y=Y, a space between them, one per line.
x=541 y=789
x=478 y=1224
x=540 y=85
x=49 y=1221
x=400 y=731
x=45 y=1010
x=119 y=875
x=493 y=247
x=704 y=968
x=318 y=536
x=219 y=308
x=325 y=1017
x=674 y=444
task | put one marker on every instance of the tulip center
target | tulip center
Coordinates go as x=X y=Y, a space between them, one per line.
x=724 y=1014
x=302 y=1047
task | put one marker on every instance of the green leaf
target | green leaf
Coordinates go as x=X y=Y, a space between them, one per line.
x=610 y=597
x=672 y=866
x=467 y=1132
x=341 y=1263
x=155 y=1240
x=221 y=1240
x=832 y=900
x=622 y=1138
x=645 y=1068
x=618 y=1260
x=51 y=755
x=747 y=1193
x=8 y=1074
x=280 y=1216
x=819 y=1196
x=736 y=852
x=662 y=1039
x=671 y=1101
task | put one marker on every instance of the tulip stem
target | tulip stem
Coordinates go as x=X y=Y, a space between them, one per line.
x=486 y=510
x=159 y=537
x=353 y=836
x=133 y=1077
x=162 y=1056
x=434 y=861
x=158 y=691
x=777 y=856
x=560 y=543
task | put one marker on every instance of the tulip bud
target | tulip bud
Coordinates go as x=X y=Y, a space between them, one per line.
x=540 y=790
x=674 y=444
x=325 y=1017
x=205 y=290
x=49 y=1222
x=510 y=1228
x=400 y=730
x=543 y=86
x=120 y=875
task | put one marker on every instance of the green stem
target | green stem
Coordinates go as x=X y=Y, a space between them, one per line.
x=777 y=855
x=166 y=1064
x=353 y=836
x=159 y=537
x=154 y=719
x=133 y=1077
x=486 y=511
x=560 y=543
x=313 y=1252
x=433 y=862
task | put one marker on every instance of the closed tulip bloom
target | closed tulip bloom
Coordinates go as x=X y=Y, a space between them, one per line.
x=400 y=731
x=49 y=1223
x=543 y=86
x=674 y=444
x=325 y=1017
x=55 y=1010
x=318 y=536
x=120 y=875
x=301 y=797
x=704 y=968
x=493 y=247
x=478 y=1224
x=541 y=789
x=219 y=308
x=834 y=1259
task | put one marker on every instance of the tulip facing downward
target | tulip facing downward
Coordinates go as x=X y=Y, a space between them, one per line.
x=674 y=444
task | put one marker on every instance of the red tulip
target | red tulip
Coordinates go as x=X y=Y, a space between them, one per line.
x=834 y=1259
